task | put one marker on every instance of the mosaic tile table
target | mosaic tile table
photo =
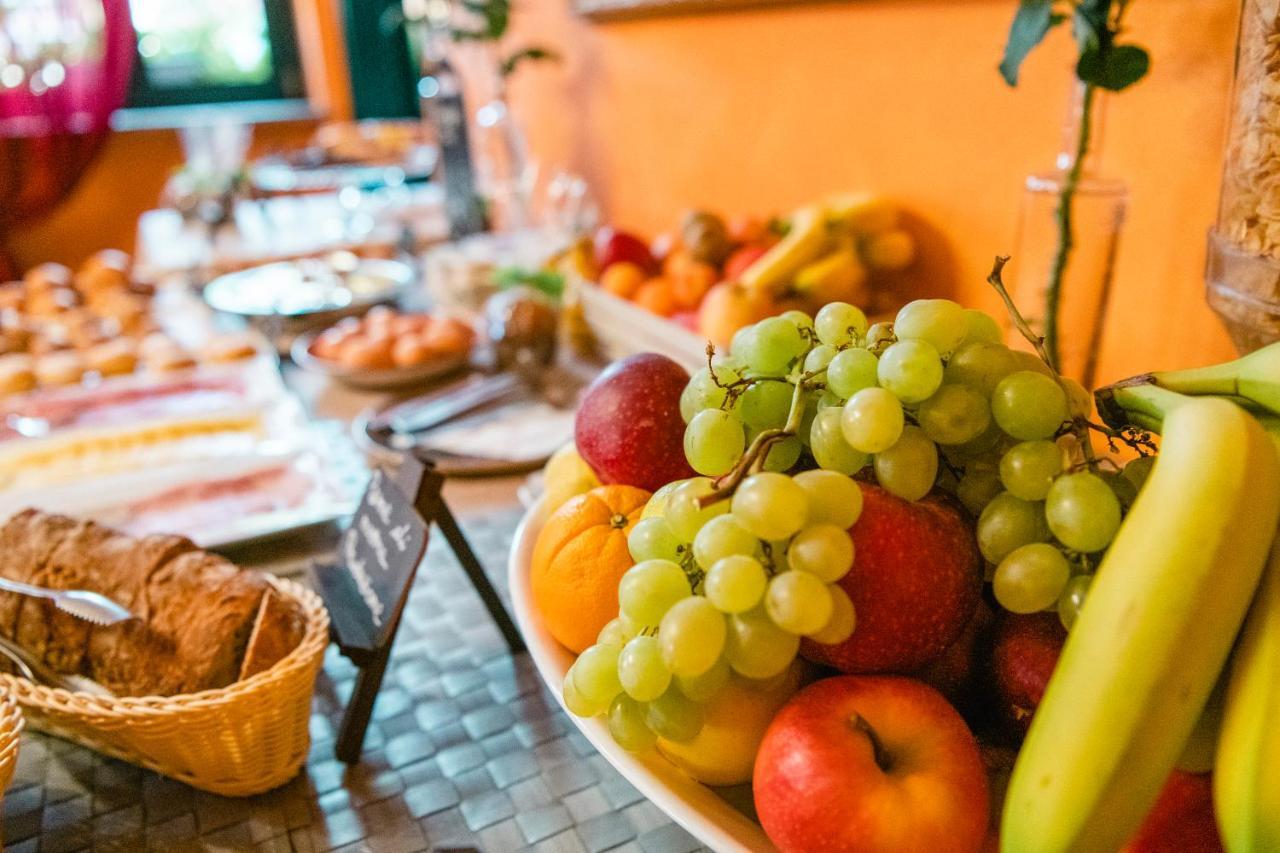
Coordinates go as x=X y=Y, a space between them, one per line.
x=467 y=751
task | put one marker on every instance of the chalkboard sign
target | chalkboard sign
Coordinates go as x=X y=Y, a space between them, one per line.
x=366 y=591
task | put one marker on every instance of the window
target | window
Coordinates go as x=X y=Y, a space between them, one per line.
x=214 y=51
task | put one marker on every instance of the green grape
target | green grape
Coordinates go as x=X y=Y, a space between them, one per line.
x=798 y=602
x=852 y=370
x=1031 y=578
x=758 y=648
x=839 y=324
x=692 y=636
x=940 y=323
x=714 y=441
x=770 y=505
x=674 y=716
x=980 y=483
x=652 y=539
x=1138 y=470
x=872 y=420
x=954 y=415
x=641 y=670
x=627 y=725
x=797 y=318
x=822 y=550
x=981 y=327
x=833 y=497
x=741 y=343
x=649 y=589
x=657 y=503
x=819 y=357
x=1079 y=401
x=765 y=405
x=981 y=366
x=842 y=622
x=773 y=345
x=985 y=446
x=828 y=444
x=1027 y=469
x=1124 y=489
x=909 y=468
x=829 y=399
x=707 y=686
x=1072 y=599
x=578 y=704
x=702 y=392
x=1007 y=524
x=879 y=333
x=616 y=632
x=1082 y=512
x=736 y=583
x=911 y=369
x=683 y=513
x=721 y=537
x=1029 y=405
x=782 y=454
x=595 y=674
x=1023 y=360
x=806 y=418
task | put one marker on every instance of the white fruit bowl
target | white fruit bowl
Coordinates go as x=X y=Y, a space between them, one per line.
x=696 y=807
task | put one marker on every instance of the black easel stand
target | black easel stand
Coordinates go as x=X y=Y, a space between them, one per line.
x=369 y=648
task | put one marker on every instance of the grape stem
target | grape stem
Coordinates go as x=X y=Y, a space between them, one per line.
x=1077 y=426
x=754 y=458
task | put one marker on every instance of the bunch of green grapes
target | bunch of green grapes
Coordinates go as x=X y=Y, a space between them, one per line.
x=933 y=400
x=719 y=590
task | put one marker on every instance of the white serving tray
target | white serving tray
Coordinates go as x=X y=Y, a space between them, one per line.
x=624 y=328
x=696 y=807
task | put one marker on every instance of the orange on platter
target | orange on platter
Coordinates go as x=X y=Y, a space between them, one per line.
x=655 y=295
x=579 y=557
x=692 y=282
x=623 y=278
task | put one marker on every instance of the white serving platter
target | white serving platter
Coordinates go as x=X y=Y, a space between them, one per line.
x=699 y=809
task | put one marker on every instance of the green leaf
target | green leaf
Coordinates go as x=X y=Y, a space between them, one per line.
x=1114 y=69
x=1031 y=24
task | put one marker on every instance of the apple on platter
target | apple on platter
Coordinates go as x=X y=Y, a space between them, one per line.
x=870 y=764
x=915 y=584
x=629 y=428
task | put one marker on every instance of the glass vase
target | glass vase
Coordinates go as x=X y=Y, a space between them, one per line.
x=1243 y=269
x=1065 y=250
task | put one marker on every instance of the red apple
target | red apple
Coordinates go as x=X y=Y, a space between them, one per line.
x=870 y=764
x=915 y=581
x=961 y=669
x=628 y=427
x=1181 y=821
x=1026 y=651
x=613 y=246
x=742 y=257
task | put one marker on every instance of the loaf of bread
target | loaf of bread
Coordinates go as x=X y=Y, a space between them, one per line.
x=201 y=622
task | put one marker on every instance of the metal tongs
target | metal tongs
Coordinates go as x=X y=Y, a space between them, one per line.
x=81 y=603
x=33 y=669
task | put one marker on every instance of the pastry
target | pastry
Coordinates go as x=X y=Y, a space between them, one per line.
x=167 y=359
x=113 y=358
x=46 y=276
x=51 y=301
x=60 y=368
x=12 y=295
x=223 y=348
x=17 y=373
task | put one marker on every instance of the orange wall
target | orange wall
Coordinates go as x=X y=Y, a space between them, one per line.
x=762 y=110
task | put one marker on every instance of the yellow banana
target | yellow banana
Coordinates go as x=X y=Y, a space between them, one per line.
x=805 y=241
x=1255 y=378
x=1246 y=781
x=1154 y=634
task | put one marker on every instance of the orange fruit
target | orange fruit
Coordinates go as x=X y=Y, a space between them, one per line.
x=579 y=557
x=623 y=279
x=692 y=283
x=655 y=295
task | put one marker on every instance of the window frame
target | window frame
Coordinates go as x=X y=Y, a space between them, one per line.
x=286 y=83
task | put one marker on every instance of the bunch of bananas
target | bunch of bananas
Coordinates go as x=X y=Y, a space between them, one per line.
x=1187 y=595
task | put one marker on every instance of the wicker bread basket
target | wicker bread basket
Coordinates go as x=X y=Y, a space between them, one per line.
x=239 y=740
x=10 y=727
